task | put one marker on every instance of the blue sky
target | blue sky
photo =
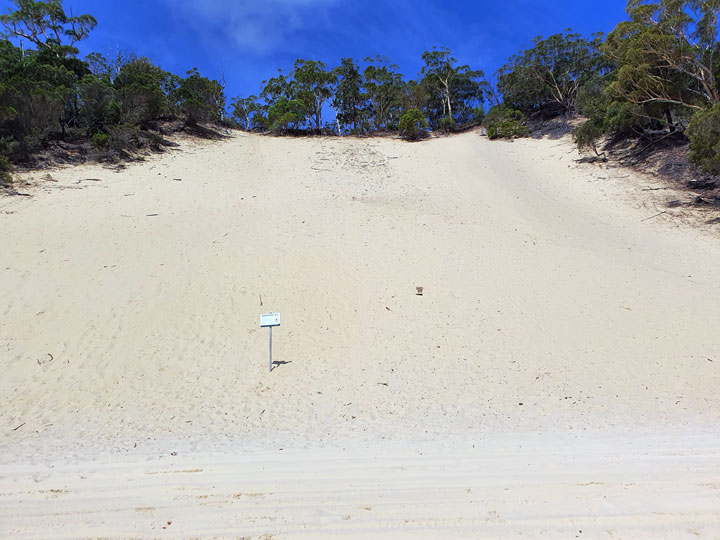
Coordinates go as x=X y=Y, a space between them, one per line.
x=248 y=40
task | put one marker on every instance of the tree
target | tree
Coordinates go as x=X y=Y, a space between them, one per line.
x=452 y=92
x=139 y=89
x=33 y=95
x=286 y=114
x=704 y=135
x=504 y=122
x=412 y=124
x=548 y=75
x=385 y=90
x=349 y=101
x=95 y=98
x=46 y=25
x=202 y=99
x=313 y=85
x=243 y=110
x=440 y=71
x=667 y=56
x=591 y=102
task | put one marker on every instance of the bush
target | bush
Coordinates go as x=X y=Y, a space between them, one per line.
x=5 y=178
x=588 y=134
x=447 y=124
x=478 y=115
x=503 y=122
x=704 y=135
x=412 y=124
x=507 y=129
x=99 y=140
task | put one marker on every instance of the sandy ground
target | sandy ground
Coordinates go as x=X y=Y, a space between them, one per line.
x=559 y=373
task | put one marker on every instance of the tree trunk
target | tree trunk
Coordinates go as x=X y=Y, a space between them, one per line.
x=668 y=117
x=447 y=95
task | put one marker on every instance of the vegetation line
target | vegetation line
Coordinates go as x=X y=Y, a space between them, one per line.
x=655 y=77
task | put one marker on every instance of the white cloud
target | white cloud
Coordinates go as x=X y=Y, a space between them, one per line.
x=254 y=25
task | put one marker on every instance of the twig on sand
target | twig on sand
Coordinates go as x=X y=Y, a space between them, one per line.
x=655 y=188
x=21 y=425
x=656 y=215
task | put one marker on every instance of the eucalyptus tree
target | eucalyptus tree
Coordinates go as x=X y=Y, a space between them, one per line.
x=385 y=90
x=549 y=74
x=202 y=99
x=667 y=55
x=440 y=71
x=350 y=101
x=314 y=86
x=46 y=25
x=244 y=110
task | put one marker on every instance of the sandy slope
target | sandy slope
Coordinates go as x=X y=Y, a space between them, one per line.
x=552 y=312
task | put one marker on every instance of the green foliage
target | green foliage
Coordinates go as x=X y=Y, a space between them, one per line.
x=667 y=55
x=447 y=124
x=350 y=102
x=313 y=86
x=99 y=140
x=452 y=91
x=704 y=135
x=478 y=115
x=412 y=124
x=507 y=129
x=286 y=114
x=385 y=90
x=548 y=75
x=139 y=88
x=244 y=110
x=202 y=99
x=47 y=26
x=587 y=135
x=5 y=170
x=592 y=102
x=95 y=103
x=504 y=122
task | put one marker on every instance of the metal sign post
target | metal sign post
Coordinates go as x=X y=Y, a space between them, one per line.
x=269 y=320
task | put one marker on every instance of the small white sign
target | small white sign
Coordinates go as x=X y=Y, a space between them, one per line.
x=270 y=319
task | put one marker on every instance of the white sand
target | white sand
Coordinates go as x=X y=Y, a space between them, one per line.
x=576 y=346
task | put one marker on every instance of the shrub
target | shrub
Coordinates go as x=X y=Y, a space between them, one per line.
x=478 y=115
x=507 y=129
x=5 y=178
x=99 y=140
x=412 y=124
x=704 y=135
x=503 y=122
x=588 y=134
x=447 y=124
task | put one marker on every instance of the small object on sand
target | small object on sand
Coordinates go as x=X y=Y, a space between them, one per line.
x=21 y=425
x=656 y=215
x=419 y=291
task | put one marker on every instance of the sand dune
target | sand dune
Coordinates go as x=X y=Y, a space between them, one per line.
x=556 y=320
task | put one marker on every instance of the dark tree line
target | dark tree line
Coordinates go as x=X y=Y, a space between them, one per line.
x=655 y=74
x=47 y=93
x=365 y=99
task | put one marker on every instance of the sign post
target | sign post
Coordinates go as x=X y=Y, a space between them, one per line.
x=269 y=320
